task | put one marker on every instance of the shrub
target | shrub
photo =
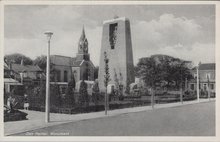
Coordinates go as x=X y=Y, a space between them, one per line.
x=69 y=99
x=95 y=92
x=83 y=95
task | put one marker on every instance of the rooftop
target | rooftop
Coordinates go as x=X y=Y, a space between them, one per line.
x=28 y=68
x=61 y=60
x=207 y=66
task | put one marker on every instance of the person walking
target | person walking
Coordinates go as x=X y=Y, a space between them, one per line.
x=10 y=103
x=26 y=103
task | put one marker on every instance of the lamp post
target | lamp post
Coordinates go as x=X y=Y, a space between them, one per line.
x=47 y=110
x=209 y=95
x=197 y=80
x=181 y=89
x=181 y=81
x=183 y=63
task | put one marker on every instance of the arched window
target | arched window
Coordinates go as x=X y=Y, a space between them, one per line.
x=65 y=76
x=58 y=75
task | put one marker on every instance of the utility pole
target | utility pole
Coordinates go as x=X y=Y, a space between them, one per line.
x=209 y=96
x=181 y=87
x=197 y=80
x=152 y=97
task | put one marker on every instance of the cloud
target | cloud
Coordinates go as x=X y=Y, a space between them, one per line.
x=197 y=53
x=30 y=22
x=61 y=44
x=66 y=22
x=167 y=35
x=153 y=30
x=94 y=39
x=166 y=31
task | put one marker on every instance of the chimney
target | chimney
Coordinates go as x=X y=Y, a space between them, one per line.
x=22 y=61
x=22 y=77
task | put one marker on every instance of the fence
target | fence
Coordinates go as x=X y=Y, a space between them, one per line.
x=60 y=103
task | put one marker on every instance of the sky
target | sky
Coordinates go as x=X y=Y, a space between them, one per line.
x=182 y=31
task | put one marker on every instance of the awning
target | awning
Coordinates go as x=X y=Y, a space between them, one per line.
x=11 y=81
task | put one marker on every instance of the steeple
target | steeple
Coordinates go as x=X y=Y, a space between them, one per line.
x=83 y=43
x=83 y=47
x=83 y=35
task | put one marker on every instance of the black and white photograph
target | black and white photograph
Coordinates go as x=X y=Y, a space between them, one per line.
x=109 y=69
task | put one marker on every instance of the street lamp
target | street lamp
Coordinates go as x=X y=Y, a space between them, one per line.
x=47 y=118
x=197 y=80
x=181 y=73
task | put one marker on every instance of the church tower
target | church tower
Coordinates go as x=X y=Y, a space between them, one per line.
x=83 y=48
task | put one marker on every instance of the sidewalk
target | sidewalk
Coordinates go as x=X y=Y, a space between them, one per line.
x=36 y=119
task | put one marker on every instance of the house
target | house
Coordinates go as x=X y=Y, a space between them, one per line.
x=28 y=74
x=206 y=78
x=7 y=71
x=9 y=81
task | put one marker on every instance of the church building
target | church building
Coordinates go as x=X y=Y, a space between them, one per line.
x=64 y=68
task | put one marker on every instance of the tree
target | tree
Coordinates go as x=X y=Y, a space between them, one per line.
x=117 y=84
x=162 y=70
x=70 y=91
x=149 y=71
x=95 y=92
x=17 y=58
x=106 y=80
x=83 y=94
x=41 y=61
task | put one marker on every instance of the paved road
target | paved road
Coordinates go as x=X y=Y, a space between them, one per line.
x=189 y=120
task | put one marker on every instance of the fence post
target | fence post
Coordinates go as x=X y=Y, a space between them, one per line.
x=152 y=98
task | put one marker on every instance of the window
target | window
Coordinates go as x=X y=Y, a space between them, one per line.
x=212 y=86
x=58 y=74
x=113 y=34
x=208 y=75
x=75 y=74
x=65 y=76
x=205 y=86
x=192 y=86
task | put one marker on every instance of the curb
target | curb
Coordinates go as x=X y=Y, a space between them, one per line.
x=111 y=113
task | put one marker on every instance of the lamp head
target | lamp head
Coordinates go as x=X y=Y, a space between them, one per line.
x=49 y=35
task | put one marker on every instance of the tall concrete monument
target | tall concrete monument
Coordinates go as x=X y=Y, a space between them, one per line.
x=116 y=42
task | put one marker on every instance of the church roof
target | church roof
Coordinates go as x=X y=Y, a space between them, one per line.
x=77 y=63
x=61 y=60
x=66 y=61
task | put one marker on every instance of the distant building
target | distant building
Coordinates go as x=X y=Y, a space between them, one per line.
x=9 y=81
x=206 y=77
x=7 y=71
x=80 y=67
x=27 y=74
